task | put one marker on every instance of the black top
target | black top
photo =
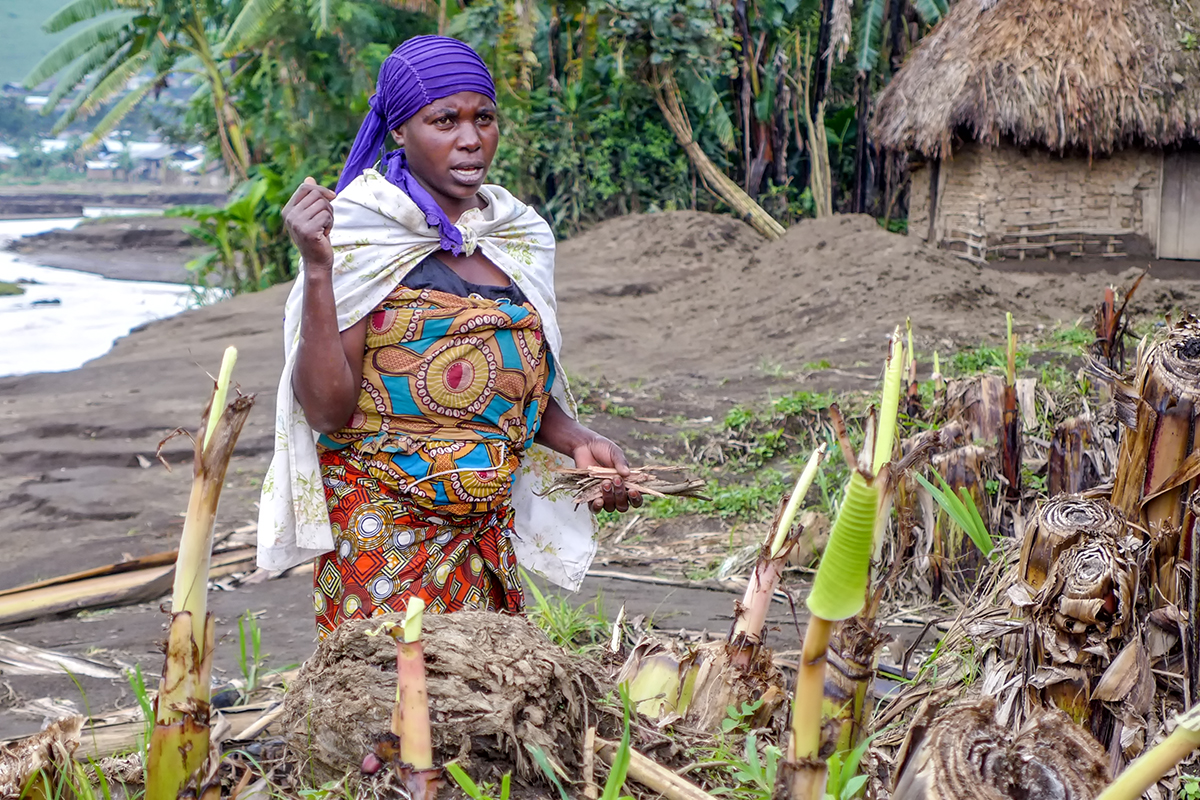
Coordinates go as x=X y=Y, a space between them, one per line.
x=433 y=273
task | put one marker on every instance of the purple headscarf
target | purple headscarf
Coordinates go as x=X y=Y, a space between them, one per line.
x=423 y=69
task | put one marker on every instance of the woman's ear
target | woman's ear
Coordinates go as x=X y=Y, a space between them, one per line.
x=398 y=136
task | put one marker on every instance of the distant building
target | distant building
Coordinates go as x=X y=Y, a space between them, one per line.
x=143 y=160
x=55 y=145
x=1052 y=129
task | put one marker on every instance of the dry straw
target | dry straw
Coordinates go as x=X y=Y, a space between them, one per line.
x=1074 y=75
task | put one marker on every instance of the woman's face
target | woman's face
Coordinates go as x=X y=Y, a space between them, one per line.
x=450 y=144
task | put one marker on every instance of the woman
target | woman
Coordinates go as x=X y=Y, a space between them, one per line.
x=422 y=345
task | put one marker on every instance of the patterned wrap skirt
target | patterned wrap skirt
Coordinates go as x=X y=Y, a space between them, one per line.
x=390 y=547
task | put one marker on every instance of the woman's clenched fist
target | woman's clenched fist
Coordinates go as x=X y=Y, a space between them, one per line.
x=309 y=217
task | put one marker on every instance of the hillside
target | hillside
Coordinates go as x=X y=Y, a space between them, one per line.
x=24 y=41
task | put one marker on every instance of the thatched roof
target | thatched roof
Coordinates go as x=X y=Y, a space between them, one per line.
x=1087 y=75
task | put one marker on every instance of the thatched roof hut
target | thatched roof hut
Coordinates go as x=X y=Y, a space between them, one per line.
x=1057 y=85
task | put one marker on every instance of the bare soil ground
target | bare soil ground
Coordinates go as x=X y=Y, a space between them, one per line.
x=676 y=317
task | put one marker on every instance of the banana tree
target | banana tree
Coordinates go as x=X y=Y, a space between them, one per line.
x=126 y=50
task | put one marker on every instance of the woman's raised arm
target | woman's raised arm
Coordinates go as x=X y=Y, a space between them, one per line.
x=328 y=371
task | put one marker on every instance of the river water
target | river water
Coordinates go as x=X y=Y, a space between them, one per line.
x=67 y=317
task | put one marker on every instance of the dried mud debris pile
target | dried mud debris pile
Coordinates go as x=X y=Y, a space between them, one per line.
x=496 y=687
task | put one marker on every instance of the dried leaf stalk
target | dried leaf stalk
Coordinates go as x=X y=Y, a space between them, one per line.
x=1112 y=326
x=179 y=742
x=978 y=403
x=750 y=616
x=652 y=775
x=49 y=752
x=1158 y=460
x=666 y=94
x=1070 y=469
x=1010 y=440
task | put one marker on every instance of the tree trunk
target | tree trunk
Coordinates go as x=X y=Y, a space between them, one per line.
x=862 y=156
x=666 y=94
x=745 y=90
x=552 y=38
x=821 y=79
x=779 y=128
x=897 y=25
x=1070 y=469
x=1159 y=460
x=1158 y=467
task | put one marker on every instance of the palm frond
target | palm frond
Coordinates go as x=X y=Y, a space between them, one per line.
x=319 y=11
x=77 y=46
x=249 y=24
x=708 y=102
x=80 y=68
x=930 y=11
x=870 y=35
x=202 y=95
x=164 y=57
x=722 y=125
x=119 y=111
x=77 y=11
x=115 y=81
x=72 y=111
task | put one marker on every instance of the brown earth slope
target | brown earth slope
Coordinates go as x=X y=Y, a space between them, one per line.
x=690 y=294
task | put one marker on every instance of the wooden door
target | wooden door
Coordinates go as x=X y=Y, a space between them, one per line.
x=1179 y=220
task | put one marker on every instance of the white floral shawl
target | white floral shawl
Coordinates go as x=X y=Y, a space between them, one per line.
x=379 y=234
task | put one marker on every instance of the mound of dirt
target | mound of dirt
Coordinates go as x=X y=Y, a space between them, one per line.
x=496 y=684
x=695 y=294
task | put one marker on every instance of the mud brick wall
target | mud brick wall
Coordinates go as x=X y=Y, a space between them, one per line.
x=993 y=196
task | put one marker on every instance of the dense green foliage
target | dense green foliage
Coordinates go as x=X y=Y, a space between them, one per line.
x=19 y=123
x=302 y=96
x=281 y=86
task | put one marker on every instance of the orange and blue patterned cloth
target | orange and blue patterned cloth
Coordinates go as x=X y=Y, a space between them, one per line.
x=418 y=483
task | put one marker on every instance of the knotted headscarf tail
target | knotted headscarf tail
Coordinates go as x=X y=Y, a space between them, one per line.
x=423 y=69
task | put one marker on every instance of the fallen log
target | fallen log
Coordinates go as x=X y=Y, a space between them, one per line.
x=97 y=741
x=652 y=775
x=108 y=587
